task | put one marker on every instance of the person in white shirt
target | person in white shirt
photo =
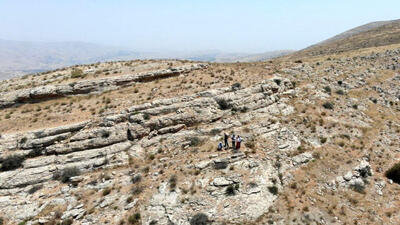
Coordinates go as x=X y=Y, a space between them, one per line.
x=238 y=142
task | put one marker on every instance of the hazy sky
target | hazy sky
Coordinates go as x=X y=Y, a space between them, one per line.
x=184 y=25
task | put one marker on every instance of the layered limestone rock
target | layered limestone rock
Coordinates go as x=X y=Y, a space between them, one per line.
x=89 y=86
x=113 y=140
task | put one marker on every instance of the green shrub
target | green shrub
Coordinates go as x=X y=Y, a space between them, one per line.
x=152 y=157
x=1 y=221
x=134 y=219
x=172 y=182
x=136 y=190
x=12 y=162
x=250 y=144
x=23 y=140
x=340 y=92
x=105 y=134
x=223 y=104
x=35 y=152
x=394 y=173
x=68 y=221
x=136 y=179
x=153 y=222
x=328 y=105
x=194 y=141
x=273 y=190
x=200 y=219
x=129 y=199
x=328 y=89
x=277 y=81
x=230 y=190
x=146 y=116
x=77 y=73
x=236 y=86
x=358 y=188
x=214 y=131
x=220 y=165
x=35 y=188
x=106 y=191
x=65 y=175
x=244 y=109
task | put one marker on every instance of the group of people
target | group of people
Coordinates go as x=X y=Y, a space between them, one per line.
x=236 y=141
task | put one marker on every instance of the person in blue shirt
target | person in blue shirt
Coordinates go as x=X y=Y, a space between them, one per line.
x=220 y=146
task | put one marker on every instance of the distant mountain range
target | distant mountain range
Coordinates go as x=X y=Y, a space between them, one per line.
x=20 y=57
x=217 y=56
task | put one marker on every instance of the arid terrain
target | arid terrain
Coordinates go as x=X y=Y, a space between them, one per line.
x=135 y=142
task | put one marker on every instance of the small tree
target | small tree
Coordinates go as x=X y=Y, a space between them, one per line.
x=394 y=173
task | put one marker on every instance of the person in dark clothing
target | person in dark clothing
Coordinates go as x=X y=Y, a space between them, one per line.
x=233 y=141
x=226 y=137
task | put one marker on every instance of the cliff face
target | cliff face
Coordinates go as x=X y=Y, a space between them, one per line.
x=139 y=146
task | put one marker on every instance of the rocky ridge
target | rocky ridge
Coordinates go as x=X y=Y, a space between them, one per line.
x=47 y=92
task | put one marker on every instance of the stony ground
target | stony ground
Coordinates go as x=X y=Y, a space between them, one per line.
x=135 y=142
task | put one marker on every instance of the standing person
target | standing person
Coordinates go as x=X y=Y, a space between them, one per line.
x=226 y=137
x=238 y=141
x=233 y=141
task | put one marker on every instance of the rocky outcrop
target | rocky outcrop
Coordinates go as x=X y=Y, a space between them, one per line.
x=163 y=117
x=88 y=86
x=356 y=179
x=113 y=140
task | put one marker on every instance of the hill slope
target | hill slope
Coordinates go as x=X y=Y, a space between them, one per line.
x=369 y=35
